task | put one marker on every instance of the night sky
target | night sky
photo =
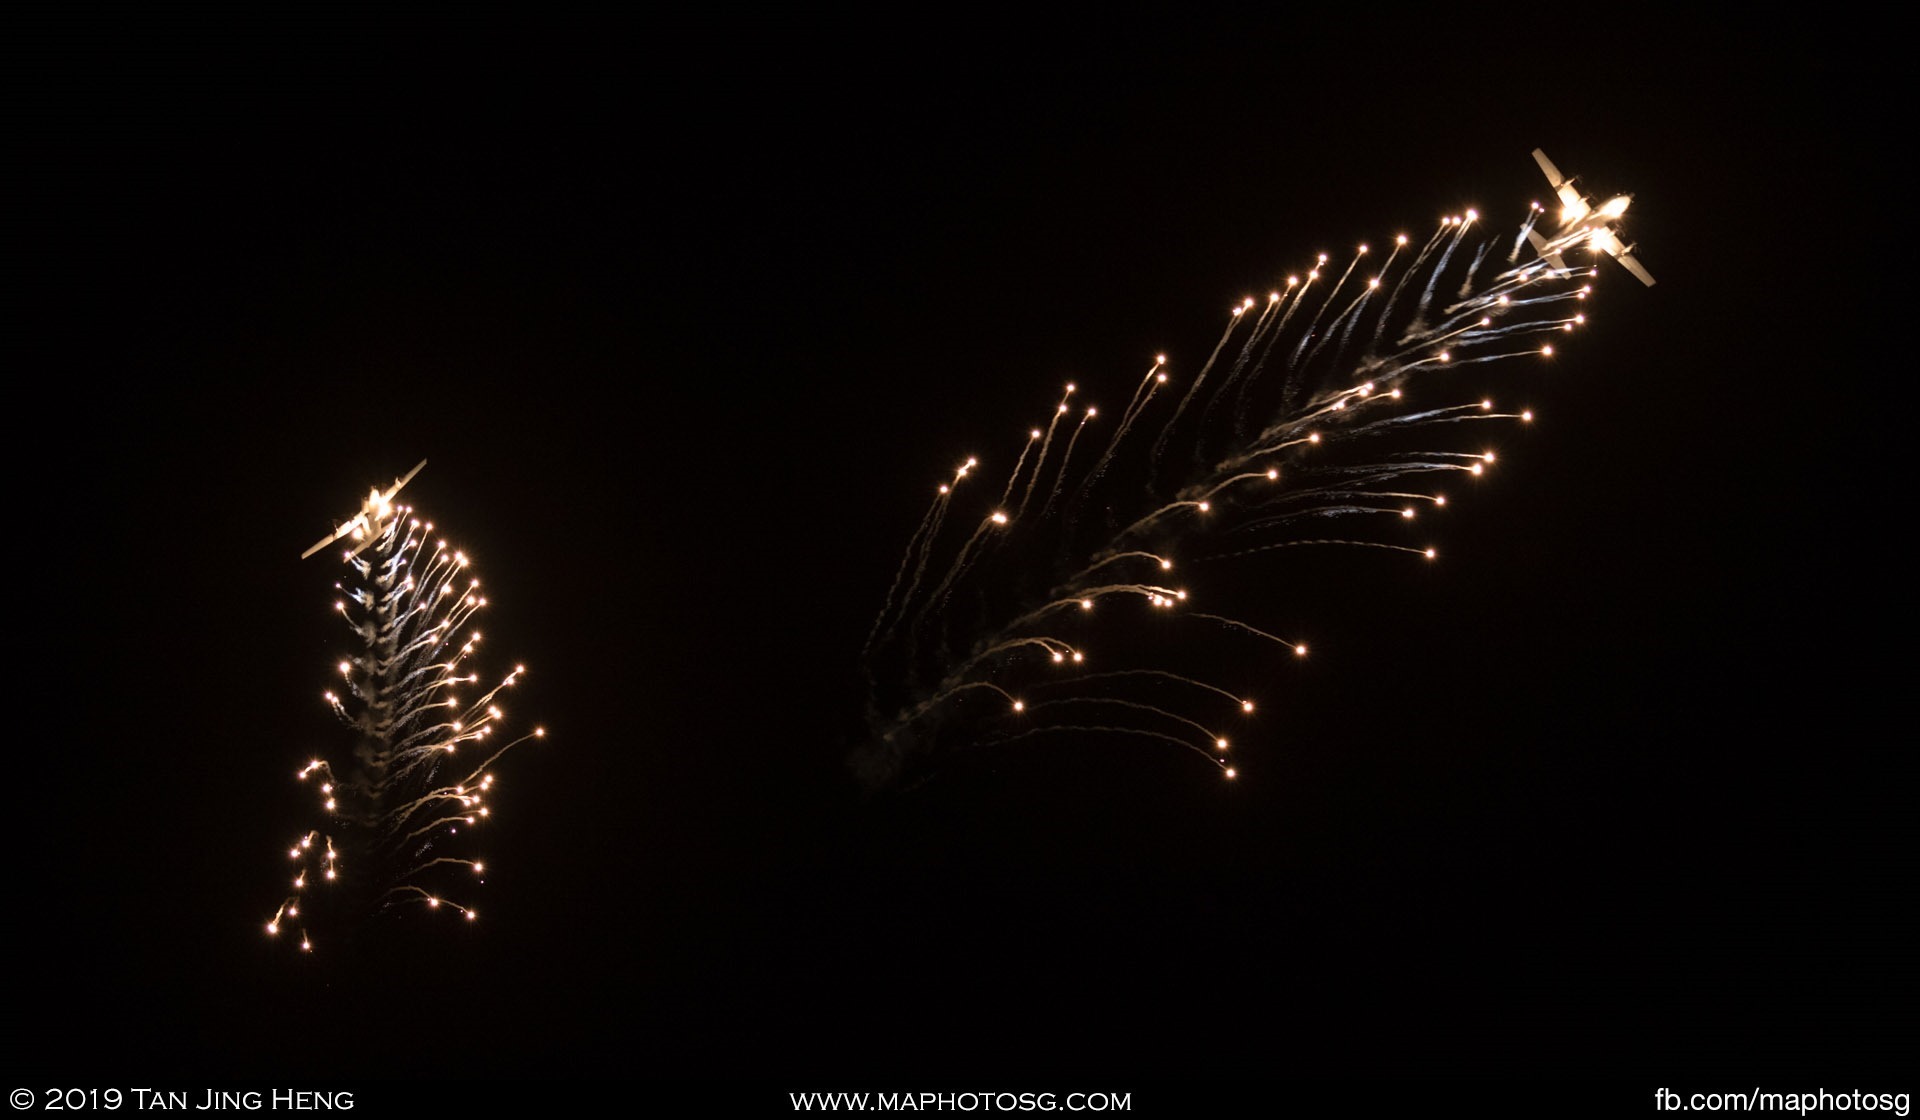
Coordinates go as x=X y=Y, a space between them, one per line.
x=689 y=322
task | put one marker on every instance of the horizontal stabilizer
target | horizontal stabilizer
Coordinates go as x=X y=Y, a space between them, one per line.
x=1540 y=247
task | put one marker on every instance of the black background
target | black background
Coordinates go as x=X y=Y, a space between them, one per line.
x=688 y=320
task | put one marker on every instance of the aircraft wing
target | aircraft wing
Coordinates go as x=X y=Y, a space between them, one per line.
x=330 y=538
x=1626 y=261
x=1554 y=178
x=1573 y=205
x=404 y=479
x=1607 y=240
x=322 y=543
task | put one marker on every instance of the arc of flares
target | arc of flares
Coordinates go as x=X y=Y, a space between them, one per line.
x=1333 y=362
x=411 y=602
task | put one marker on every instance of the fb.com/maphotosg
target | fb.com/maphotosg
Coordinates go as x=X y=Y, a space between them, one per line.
x=1757 y=1100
